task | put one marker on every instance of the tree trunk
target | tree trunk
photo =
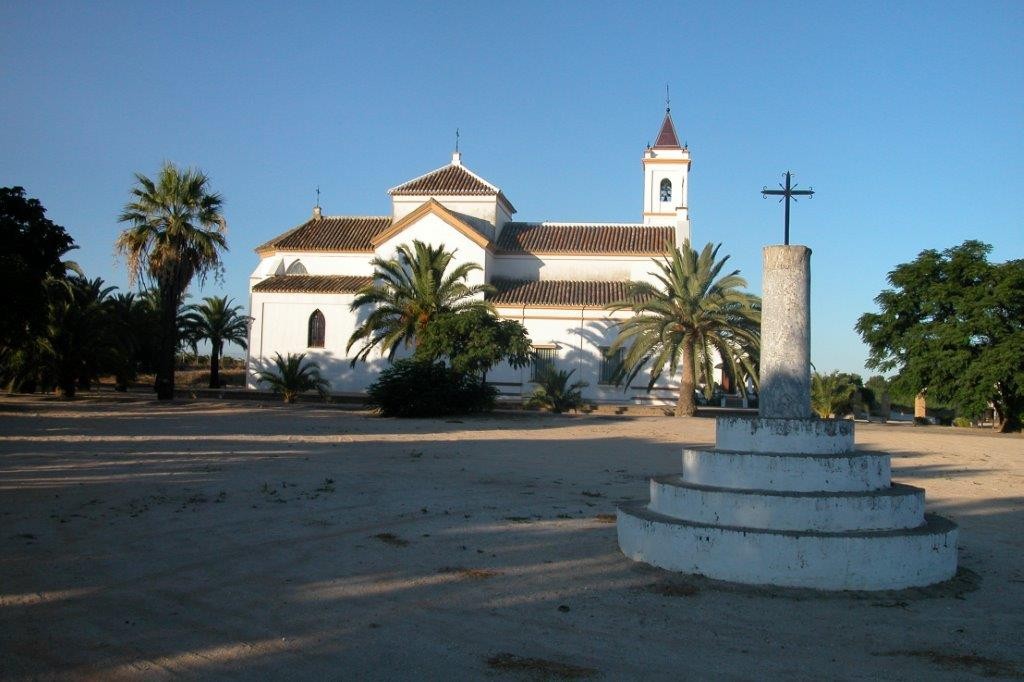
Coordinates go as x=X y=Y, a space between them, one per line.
x=1008 y=415
x=686 y=406
x=168 y=343
x=214 y=365
x=66 y=390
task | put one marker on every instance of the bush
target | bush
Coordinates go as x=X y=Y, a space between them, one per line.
x=962 y=422
x=421 y=388
x=556 y=393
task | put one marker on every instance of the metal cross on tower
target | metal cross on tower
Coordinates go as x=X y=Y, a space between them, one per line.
x=787 y=192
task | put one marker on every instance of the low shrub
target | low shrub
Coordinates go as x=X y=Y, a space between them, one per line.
x=422 y=388
x=556 y=393
x=963 y=422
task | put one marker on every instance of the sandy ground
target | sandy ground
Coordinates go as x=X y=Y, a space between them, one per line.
x=248 y=541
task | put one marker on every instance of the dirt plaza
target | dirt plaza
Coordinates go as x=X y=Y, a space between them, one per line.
x=248 y=540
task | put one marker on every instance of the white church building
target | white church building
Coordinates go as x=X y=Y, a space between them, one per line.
x=554 y=277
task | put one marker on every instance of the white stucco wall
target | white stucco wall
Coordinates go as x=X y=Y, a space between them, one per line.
x=432 y=230
x=577 y=336
x=585 y=268
x=484 y=207
x=316 y=263
x=280 y=325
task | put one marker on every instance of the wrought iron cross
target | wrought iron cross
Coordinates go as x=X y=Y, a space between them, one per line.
x=788 y=192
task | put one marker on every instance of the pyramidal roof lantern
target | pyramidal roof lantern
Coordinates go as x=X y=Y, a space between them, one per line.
x=667 y=137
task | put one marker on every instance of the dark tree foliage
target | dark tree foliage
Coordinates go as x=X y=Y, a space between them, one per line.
x=474 y=341
x=953 y=324
x=217 y=321
x=175 y=233
x=32 y=250
x=423 y=388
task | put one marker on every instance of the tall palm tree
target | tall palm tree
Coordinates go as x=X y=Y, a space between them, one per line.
x=410 y=290
x=217 y=321
x=687 y=320
x=176 y=232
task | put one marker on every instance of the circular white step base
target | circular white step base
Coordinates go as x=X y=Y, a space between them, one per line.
x=849 y=471
x=810 y=436
x=871 y=560
x=899 y=506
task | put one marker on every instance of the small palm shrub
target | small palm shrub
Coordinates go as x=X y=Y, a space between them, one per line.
x=556 y=393
x=829 y=392
x=422 y=388
x=963 y=422
x=292 y=376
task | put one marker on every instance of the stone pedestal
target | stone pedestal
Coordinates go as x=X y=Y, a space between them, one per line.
x=785 y=344
x=783 y=498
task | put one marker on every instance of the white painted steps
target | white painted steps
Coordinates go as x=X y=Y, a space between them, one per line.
x=900 y=506
x=820 y=515
x=850 y=560
x=851 y=471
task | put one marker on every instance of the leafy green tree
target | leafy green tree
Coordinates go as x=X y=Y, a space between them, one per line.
x=953 y=324
x=831 y=394
x=417 y=387
x=77 y=333
x=474 y=341
x=555 y=392
x=687 y=319
x=129 y=320
x=176 y=232
x=217 y=321
x=32 y=252
x=292 y=375
x=408 y=292
x=877 y=387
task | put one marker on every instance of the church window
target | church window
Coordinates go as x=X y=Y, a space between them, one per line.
x=543 y=362
x=317 y=329
x=296 y=268
x=611 y=364
x=666 y=190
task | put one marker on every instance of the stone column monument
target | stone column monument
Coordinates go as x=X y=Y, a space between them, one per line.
x=786 y=345
x=783 y=498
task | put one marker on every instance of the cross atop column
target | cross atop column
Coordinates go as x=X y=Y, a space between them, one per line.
x=788 y=192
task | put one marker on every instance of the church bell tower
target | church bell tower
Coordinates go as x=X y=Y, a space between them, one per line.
x=666 y=181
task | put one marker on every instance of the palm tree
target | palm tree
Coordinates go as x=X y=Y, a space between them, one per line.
x=408 y=292
x=829 y=392
x=176 y=231
x=129 y=321
x=293 y=376
x=217 y=321
x=556 y=393
x=76 y=332
x=688 y=319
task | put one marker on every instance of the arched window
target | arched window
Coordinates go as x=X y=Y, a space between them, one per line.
x=317 y=328
x=666 y=190
x=296 y=268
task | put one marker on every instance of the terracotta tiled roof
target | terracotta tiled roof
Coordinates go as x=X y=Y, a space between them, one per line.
x=312 y=284
x=571 y=294
x=331 y=233
x=667 y=136
x=450 y=180
x=584 y=238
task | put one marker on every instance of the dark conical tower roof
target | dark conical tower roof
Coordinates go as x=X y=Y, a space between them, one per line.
x=667 y=136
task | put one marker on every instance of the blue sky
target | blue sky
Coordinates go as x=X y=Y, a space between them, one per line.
x=907 y=119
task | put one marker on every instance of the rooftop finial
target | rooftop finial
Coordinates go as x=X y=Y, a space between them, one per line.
x=457 y=155
x=317 y=213
x=668 y=100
